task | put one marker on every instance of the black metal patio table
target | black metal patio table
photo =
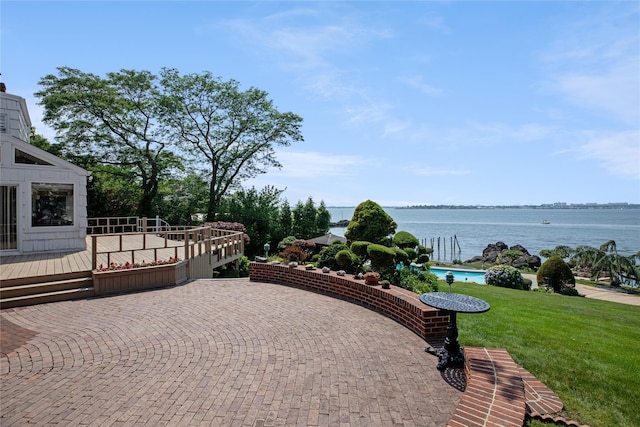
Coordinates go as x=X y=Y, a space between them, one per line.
x=451 y=355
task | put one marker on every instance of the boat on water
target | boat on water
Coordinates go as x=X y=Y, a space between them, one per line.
x=545 y=221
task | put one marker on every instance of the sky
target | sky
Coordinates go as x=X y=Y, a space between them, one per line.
x=404 y=103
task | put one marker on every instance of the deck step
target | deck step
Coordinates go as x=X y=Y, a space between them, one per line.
x=64 y=295
x=32 y=280
x=46 y=289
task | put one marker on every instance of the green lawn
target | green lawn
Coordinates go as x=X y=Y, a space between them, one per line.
x=587 y=351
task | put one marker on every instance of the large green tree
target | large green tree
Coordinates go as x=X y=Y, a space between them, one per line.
x=113 y=119
x=233 y=132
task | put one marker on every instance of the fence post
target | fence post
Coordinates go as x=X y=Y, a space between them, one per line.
x=94 y=250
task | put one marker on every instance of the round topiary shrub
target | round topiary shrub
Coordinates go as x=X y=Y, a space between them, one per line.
x=504 y=276
x=423 y=259
x=411 y=253
x=555 y=274
x=381 y=257
x=343 y=258
x=404 y=239
x=360 y=248
x=401 y=255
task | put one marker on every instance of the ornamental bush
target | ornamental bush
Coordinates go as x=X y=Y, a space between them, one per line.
x=327 y=256
x=404 y=239
x=347 y=260
x=381 y=257
x=423 y=259
x=555 y=274
x=411 y=253
x=370 y=223
x=360 y=248
x=504 y=276
x=293 y=253
x=419 y=282
x=400 y=255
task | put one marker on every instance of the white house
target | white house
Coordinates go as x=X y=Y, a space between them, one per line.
x=43 y=198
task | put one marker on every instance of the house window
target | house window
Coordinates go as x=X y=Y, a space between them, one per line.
x=3 y=123
x=28 y=159
x=52 y=204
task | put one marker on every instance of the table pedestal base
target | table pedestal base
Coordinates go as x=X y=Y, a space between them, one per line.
x=454 y=359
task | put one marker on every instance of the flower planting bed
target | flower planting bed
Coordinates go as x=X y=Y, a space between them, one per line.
x=399 y=304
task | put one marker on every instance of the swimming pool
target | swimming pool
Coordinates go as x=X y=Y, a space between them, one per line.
x=476 y=276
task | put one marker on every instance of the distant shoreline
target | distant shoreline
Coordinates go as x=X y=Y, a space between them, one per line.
x=615 y=206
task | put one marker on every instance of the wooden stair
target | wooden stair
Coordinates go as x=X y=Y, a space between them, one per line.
x=24 y=291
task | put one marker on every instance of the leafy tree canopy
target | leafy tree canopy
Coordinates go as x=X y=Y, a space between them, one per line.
x=233 y=132
x=115 y=119
x=146 y=125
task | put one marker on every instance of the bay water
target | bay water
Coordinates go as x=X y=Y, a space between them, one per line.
x=474 y=229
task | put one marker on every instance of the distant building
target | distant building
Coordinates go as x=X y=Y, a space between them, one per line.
x=43 y=198
x=327 y=239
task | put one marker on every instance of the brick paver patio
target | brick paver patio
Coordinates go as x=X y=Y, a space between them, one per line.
x=219 y=353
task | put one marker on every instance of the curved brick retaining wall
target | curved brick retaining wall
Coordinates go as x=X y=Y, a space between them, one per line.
x=399 y=304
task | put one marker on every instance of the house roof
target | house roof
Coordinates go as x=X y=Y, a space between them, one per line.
x=328 y=239
x=46 y=156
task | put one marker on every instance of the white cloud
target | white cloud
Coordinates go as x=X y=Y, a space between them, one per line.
x=614 y=91
x=594 y=63
x=618 y=152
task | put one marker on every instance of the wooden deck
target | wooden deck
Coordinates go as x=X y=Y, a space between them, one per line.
x=59 y=263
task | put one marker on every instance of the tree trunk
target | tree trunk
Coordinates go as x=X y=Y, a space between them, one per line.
x=212 y=207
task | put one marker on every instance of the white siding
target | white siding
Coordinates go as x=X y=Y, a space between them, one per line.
x=30 y=238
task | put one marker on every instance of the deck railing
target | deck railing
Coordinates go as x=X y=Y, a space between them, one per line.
x=185 y=243
x=126 y=224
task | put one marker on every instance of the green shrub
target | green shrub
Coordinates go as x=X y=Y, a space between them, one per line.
x=526 y=284
x=572 y=292
x=404 y=239
x=243 y=266
x=347 y=260
x=423 y=259
x=424 y=250
x=343 y=258
x=411 y=253
x=555 y=274
x=400 y=255
x=419 y=282
x=382 y=257
x=327 y=256
x=360 y=248
x=504 y=276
